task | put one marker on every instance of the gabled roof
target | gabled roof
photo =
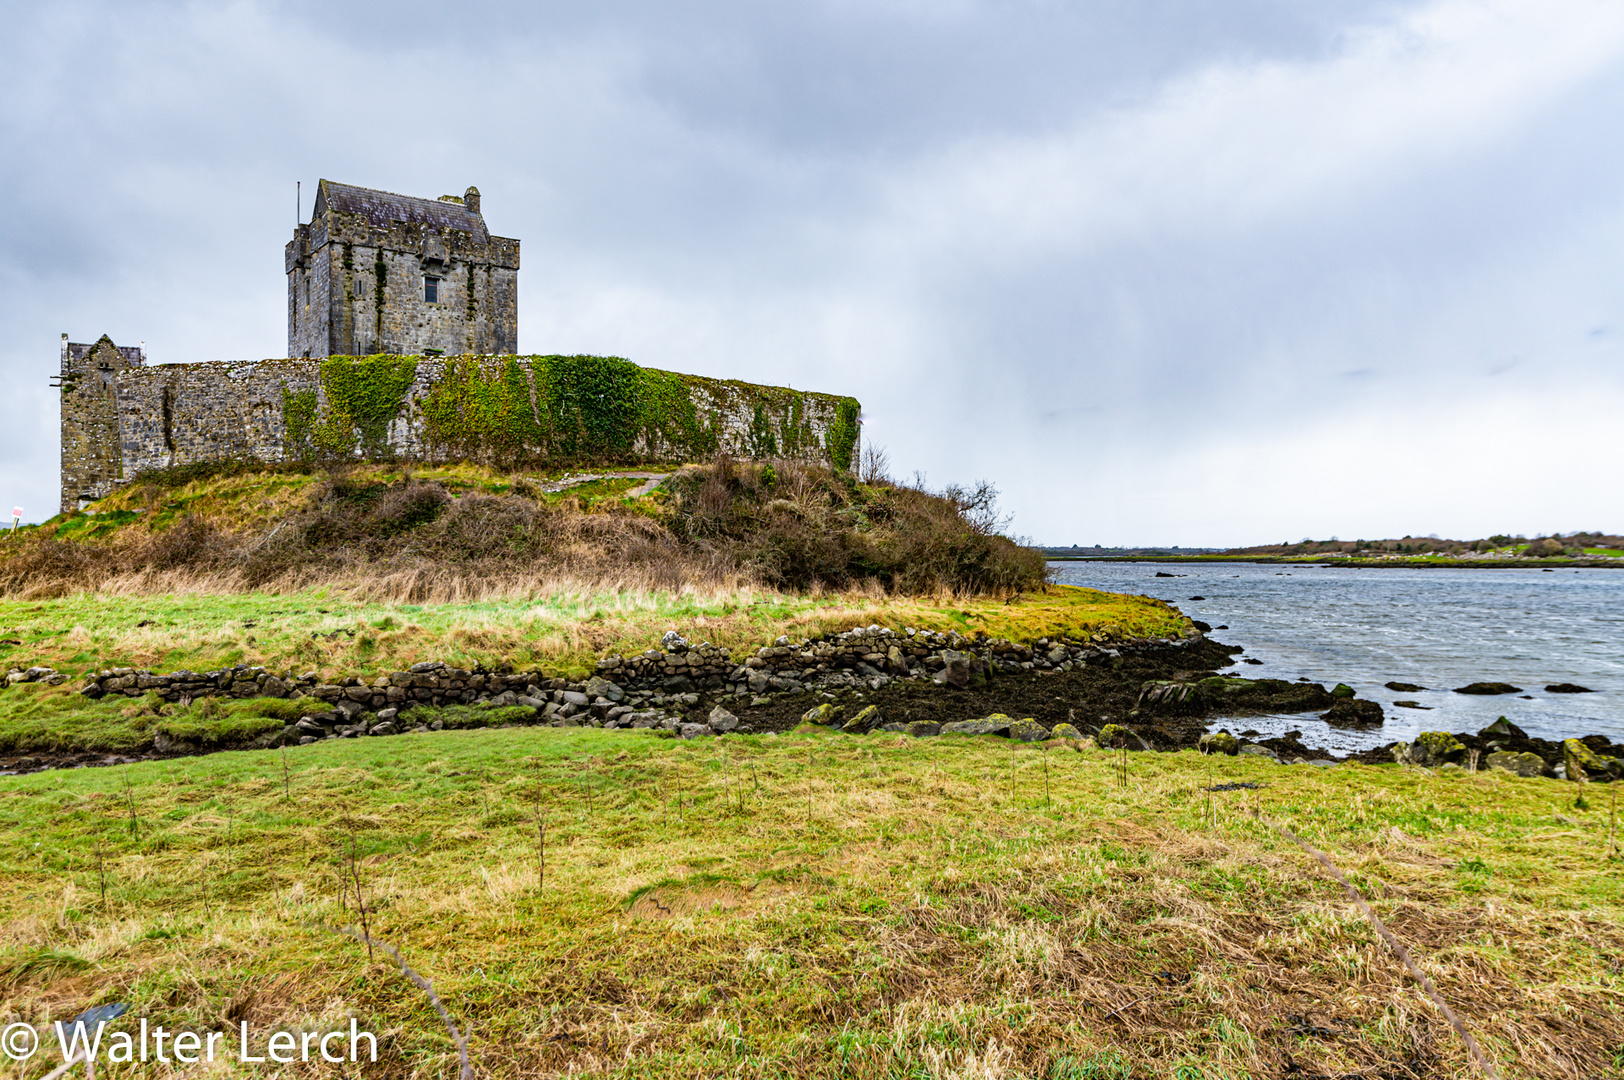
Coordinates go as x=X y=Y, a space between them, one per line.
x=380 y=208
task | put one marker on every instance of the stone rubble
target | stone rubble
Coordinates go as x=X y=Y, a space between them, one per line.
x=648 y=690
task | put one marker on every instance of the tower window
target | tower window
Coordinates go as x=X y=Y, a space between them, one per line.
x=360 y=288
x=431 y=290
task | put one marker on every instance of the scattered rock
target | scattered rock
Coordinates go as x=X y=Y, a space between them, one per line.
x=923 y=728
x=825 y=715
x=1411 y=705
x=864 y=722
x=1568 y=688
x=1219 y=742
x=1429 y=750
x=1502 y=729
x=996 y=724
x=1406 y=688
x=693 y=731
x=1583 y=763
x=1113 y=736
x=1027 y=730
x=1065 y=731
x=1251 y=660
x=722 y=721
x=1488 y=688
x=1260 y=751
x=1523 y=764
x=1354 y=712
x=1342 y=690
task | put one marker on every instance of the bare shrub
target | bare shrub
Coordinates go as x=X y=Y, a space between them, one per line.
x=875 y=466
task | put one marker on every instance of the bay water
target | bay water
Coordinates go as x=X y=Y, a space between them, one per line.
x=1436 y=628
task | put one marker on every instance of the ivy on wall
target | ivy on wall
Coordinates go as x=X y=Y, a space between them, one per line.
x=299 y=423
x=558 y=409
x=842 y=438
x=364 y=395
x=478 y=413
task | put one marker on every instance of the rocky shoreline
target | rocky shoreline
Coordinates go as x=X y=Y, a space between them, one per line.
x=1146 y=695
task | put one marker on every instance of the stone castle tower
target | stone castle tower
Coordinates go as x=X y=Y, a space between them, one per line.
x=92 y=458
x=375 y=272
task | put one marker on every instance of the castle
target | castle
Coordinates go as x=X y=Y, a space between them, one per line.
x=376 y=272
x=402 y=342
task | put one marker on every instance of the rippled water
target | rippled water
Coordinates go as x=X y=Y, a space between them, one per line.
x=1435 y=628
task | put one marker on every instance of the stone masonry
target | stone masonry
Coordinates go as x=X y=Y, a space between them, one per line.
x=376 y=272
x=121 y=417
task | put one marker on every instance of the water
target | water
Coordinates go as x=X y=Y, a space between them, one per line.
x=1435 y=628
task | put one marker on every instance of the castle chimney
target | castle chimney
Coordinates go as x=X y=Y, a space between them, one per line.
x=470 y=199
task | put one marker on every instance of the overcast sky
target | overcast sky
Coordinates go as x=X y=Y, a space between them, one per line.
x=1166 y=271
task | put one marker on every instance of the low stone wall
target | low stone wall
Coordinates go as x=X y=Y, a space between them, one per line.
x=626 y=691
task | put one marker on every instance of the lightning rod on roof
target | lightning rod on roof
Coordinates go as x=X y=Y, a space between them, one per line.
x=298 y=202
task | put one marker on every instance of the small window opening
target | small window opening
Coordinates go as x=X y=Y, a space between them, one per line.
x=360 y=288
x=431 y=290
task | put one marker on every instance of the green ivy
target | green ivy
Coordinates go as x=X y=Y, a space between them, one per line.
x=842 y=438
x=364 y=395
x=763 y=443
x=514 y=410
x=591 y=405
x=480 y=411
x=299 y=424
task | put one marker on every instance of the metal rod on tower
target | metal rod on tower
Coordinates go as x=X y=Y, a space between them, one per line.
x=298 y=201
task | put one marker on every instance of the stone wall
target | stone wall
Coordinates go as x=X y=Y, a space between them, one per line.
x=651 y=689
x=120 y=418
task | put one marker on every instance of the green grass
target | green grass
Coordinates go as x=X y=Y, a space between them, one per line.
x=820 y=905
x=325 y=632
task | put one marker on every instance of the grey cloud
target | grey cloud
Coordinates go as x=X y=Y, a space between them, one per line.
x=1018 y=231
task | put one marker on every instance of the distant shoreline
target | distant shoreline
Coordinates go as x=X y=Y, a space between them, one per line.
x=1346 y=563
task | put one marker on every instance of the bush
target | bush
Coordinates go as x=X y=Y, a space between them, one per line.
x=785 y=524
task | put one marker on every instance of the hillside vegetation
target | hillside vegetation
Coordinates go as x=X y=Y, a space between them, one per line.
x=465 y=533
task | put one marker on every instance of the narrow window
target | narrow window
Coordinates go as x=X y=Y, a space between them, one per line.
x=360 y=288
x=431 y=290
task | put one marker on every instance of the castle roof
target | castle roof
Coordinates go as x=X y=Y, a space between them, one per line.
x=380 y=208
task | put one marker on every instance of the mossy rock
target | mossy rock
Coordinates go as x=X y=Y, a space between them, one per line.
x=1114 y=735
x=1486 y=689
x=1219 y=742
x=1502 y=729
x=1353 y=712
x=1524 y=764
x=1584 y=763
x=1429 y=750
x=825 y=715
x=920 y=729
x=864 y=722
x=1342 y=690
x=996 y=724
x=1028 y=730
x=1065 y=731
